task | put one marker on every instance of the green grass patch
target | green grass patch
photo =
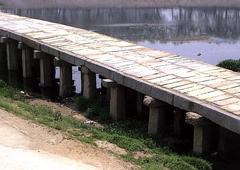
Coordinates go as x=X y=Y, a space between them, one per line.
x=176 y=162
x=125 y=134
x=82 y=103
x=92 y=109
x=230 y=64
x=7 y=91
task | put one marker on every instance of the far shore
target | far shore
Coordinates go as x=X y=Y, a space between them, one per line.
x=117 y=3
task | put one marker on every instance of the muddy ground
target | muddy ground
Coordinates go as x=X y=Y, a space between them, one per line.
x=25 y=145
x=118 y=3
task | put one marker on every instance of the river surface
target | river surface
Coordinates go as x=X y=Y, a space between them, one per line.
x=208 y=34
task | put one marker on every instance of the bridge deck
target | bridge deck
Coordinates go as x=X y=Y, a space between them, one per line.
x=192 y=85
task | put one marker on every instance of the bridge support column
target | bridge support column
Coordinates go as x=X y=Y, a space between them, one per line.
x=139 y=104
x=3 y=58
x=117 y=99
x=27 y=60
x=228 y=145
x=12 y=53
x=157 y=115
x=203 y=137
x=65 y=78
x=179 y=122
x=224 y=141
x=46 y=68
x=107 y=90
x=13 y=79
x=89 y=83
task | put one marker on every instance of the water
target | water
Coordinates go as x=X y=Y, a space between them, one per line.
x=207 y=34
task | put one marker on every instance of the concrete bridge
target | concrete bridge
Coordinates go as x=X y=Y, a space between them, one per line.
x=207 y=95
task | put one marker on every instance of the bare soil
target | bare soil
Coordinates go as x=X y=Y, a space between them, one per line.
x=25 y=145
x=118 y=3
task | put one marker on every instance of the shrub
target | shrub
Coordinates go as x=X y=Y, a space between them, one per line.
x=7 y=91
x=92 y=112
x=230 y=64
x=92 y=109
x=82 y=103
x=3 y=84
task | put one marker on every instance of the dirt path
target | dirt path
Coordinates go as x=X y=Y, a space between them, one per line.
x=25 y=145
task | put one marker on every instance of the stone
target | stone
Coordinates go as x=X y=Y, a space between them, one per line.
x=89 y=83
x=46 y=68
x=65 y=80
x=117 y=103
x=108 y=83
x=12 y=56
x=203 y=137
x=139 y=104
x=179 y=122
x=228 y=145
x=20 y=45
x=27 y=61
x=3 y=57
x=157 y=115
x=4 y=40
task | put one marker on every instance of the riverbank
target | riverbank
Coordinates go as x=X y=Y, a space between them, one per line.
x=121 y=139
x=117 y=3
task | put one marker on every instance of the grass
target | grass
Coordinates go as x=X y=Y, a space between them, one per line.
x=92 y=109
x=230 y=64
x=124 y=134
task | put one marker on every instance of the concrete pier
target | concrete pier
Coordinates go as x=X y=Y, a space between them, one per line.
x=139 y=103
x=117 y=99
x=106 y=90
x=228 y=145
x=12 y=53
x=65 y=79
x=178 y=122
x=224 y=142
x=46 y=70
x=3 y=57
x=157 y=115
x=27 y=60
x=89 y=83
x=13 y=78
x=203 y=137
x=117 y=103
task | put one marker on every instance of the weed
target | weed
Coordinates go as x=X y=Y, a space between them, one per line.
x=57 y=116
